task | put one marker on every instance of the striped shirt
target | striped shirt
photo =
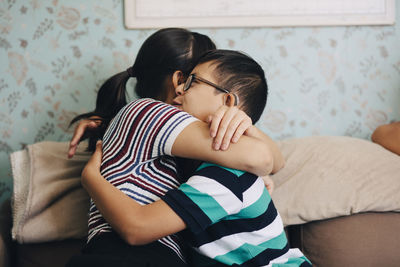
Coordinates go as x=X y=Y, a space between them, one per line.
x=137 y=157
x=232 y=220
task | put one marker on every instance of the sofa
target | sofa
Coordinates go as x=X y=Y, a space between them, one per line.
x=337 y=196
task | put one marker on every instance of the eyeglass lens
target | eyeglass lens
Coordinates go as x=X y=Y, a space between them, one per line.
x=188 y=82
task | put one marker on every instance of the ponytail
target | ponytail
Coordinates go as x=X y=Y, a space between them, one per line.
x=164 y=52
x=111 y=98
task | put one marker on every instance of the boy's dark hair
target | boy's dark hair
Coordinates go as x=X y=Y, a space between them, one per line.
x=164 y=52
x=242 y=75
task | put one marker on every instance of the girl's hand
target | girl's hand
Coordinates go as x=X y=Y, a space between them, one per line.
x=269 y=184
x=79 y=133
x=227 y=125
x=94 y=163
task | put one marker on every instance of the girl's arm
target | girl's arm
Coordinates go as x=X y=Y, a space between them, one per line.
x=135 y=223
x=249 y=154
x=228 y=124
x=254 y=152
x=278 y=159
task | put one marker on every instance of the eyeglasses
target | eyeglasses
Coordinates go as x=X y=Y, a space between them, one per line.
x=193 y=77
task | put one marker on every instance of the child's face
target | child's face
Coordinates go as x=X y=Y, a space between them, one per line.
x=201 y=99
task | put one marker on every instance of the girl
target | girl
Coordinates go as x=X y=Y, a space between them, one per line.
x=163 y=62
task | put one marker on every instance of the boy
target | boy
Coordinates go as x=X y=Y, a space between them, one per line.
x=228 y=214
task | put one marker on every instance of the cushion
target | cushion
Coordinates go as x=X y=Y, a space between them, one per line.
x=48 y=201
x=359 y=240
x=331 y=176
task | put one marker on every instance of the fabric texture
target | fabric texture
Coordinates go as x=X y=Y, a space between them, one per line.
x=48 y=201
x=231 y=219
x=330 y=176
x=109 y=250
x=365 y=239
x=5 y=233
x=137 y=157
x=324 y=177
x=47 y=254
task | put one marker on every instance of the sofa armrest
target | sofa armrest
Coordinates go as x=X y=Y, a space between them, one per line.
x=5 y=234
x=358 y=240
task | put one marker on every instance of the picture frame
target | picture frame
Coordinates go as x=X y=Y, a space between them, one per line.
x=150 y=14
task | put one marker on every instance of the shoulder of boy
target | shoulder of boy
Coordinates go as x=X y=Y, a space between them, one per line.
x=208 y=164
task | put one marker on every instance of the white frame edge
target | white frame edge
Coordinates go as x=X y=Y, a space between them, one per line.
x=131 y=22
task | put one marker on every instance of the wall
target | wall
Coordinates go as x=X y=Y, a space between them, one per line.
x=54 y=55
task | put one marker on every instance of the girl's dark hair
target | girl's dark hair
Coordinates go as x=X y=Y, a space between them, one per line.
x=242 y=75
x=163 y=53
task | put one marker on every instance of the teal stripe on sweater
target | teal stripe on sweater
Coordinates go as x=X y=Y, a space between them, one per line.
x=292 y=262
x=207 y=164
x=206 y=203
x=247 y=251
x=255 y=209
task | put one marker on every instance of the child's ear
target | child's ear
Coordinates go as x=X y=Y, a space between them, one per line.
x=231 y=99
x=177 y=78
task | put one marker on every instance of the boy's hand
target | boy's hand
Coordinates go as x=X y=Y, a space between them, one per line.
x=227 y=125
x=269 y=184
x=94 y=163
x=79 y=133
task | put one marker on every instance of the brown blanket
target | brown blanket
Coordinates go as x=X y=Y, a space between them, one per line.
x=49 y=202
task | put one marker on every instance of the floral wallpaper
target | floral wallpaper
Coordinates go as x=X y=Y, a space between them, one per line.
x=54 y=54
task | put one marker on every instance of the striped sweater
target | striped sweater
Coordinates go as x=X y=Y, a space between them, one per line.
x=137 y=157
x=231 y=220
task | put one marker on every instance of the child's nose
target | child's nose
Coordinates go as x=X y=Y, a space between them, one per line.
x=179 y=89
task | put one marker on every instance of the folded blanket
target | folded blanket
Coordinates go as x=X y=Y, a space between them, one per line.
x=330 y=176
x=48 y=201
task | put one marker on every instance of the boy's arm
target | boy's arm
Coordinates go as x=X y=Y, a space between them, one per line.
x=388 y=136
x=138 y=224
x=84 y=126
x=135 y=223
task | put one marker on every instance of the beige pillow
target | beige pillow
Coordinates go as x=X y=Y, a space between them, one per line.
x=330 y=176
x=48 y=201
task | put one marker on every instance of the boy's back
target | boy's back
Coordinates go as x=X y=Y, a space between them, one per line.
x=231 y=218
